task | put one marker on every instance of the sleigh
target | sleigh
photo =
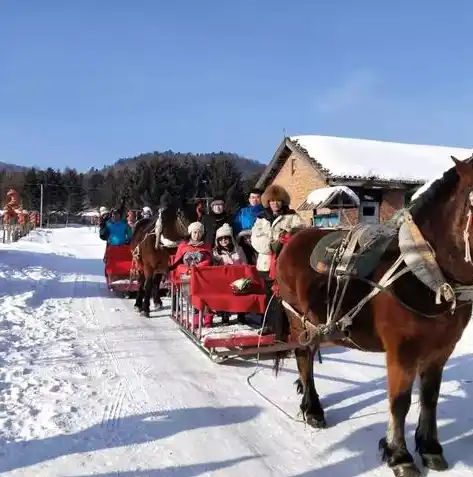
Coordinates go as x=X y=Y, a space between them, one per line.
x=199 y=292
x=119 y=269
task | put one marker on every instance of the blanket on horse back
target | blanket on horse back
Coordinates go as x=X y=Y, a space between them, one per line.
x=356 y=251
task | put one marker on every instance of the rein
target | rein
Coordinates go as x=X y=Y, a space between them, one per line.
x=466 y=232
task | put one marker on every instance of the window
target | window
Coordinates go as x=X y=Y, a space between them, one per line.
x=369 y=211
x=326 y=220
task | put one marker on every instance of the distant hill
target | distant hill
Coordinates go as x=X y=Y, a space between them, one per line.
x=247 y=167
x=5 y=166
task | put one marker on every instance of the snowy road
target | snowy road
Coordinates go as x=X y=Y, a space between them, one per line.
x=88 y=388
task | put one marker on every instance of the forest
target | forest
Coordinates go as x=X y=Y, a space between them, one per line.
x=143 y=179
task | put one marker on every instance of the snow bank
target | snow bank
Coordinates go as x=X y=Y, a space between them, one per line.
x=90 y=389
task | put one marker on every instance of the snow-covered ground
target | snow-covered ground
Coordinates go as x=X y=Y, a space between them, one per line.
x=88 y=388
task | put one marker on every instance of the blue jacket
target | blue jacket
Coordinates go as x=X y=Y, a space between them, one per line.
x=246 y=218
x=118 y=233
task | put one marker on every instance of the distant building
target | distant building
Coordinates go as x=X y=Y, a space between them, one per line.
x=384 y=175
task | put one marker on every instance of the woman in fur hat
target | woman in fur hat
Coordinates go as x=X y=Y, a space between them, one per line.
x=275 y=220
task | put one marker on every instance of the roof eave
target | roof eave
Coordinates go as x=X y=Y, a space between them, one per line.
x=271 y=164
x=374 y=181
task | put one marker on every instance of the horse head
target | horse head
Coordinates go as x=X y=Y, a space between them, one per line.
x=444 y=214
x=175 y=221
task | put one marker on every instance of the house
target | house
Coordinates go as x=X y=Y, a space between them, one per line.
x=384 y=175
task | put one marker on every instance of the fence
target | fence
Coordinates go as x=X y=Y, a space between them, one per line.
x=13 y=232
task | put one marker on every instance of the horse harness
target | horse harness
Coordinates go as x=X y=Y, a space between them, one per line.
x=355 y=254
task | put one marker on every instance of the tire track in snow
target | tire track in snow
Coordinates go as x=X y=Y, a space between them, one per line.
x=113 y=411
x=122 y=367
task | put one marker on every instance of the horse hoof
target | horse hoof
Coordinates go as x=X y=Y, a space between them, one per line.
x=406 y=470
x=434 y=462
x=316 y=422
x=145 y=314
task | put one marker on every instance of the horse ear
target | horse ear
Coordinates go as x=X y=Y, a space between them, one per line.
x=463 y=168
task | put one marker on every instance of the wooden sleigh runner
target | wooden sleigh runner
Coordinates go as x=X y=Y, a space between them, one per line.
x=209 y=289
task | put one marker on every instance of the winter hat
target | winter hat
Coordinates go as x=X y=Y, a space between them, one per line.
x=103 y=210
x=275 y=192
x=196 y=226
x=224 y=231
x=147 y=210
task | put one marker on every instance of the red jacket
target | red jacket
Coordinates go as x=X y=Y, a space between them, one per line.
x=186 y=248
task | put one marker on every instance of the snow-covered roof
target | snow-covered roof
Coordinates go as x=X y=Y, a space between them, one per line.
x=346 y=157
x=329 y=197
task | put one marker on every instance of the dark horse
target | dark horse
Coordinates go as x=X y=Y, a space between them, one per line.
x=153 y=262
x=417 y=335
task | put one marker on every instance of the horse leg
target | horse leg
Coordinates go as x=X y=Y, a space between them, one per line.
x=427 y=444
x=158 y=304
x=401 y=376
x=310 y=404
x=148 y=290
x=141 y=291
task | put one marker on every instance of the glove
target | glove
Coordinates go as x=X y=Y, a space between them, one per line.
x=275 y=247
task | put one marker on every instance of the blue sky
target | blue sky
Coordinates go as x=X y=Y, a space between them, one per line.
x=86 y=82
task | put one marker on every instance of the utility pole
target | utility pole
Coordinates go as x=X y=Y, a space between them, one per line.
x=41 y=208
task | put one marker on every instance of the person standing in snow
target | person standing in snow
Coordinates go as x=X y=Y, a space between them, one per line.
x=213 y=221
x=116 y=230
x=274 y=221
x=244 y=220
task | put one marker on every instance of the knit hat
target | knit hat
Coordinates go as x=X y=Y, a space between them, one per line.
x=103 y=210
x=147 y=210
x=196 y=226
x=224 y=231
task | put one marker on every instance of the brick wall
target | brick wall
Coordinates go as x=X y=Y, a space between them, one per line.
x=393 y=200
x=299 y=178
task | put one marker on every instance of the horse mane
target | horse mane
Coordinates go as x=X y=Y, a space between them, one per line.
x=142 y=224
x=441 y=188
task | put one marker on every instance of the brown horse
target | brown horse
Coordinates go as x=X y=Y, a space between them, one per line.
x=153 y=262
x=403 y=320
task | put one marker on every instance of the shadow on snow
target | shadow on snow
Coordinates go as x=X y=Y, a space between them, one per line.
x=137 y=429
